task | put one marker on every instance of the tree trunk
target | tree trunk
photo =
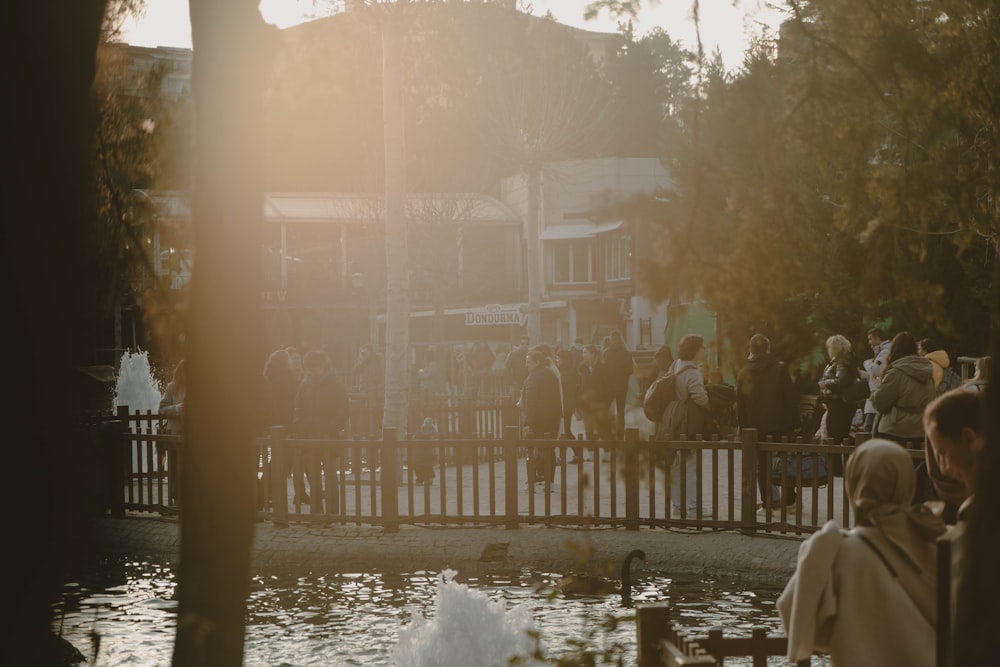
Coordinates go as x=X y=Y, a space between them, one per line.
x=233 y=49
x=48 y=212
x=533 y=229
x=397 y=332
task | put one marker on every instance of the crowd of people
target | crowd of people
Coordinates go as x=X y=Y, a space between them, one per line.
x=865 y=595
x=870 y=594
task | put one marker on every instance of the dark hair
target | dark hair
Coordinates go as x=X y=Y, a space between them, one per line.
x=929 y=344
x=544 y=349
x=903 y=345
x=689 y=346
x=954 y=410
x=316 y=359
x=878 y=332
x=663 y=352
x=537 y=356
x=759 y=344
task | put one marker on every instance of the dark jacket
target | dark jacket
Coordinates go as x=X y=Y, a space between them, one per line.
x=281 y=387
x=906 y=388
x=595 y=392
x=839 y=374
x=618 y=362
x=321 y=407
x=542 y=404
x=765 y=397
x=570 y=378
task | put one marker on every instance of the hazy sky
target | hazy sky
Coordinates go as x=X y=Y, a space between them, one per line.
x=166 y=21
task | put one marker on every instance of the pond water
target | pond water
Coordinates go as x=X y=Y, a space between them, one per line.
x=126 y=614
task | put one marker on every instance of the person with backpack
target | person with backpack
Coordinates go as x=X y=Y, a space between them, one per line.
x=945 y=378
x=767 y=401
x=686 y=414
x=903 y=391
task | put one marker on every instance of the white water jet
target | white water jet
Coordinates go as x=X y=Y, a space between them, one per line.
x=135 y=386
x=137 y=389
x=467 y=629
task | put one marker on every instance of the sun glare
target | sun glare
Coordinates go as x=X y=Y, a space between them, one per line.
x=723 y=25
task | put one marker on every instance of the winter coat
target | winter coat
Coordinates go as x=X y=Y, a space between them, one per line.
x=688 y=414
x=618 y=362
x=172 y=406
x=570 y=379
x=595 y=392
x=838 y=375
x=765 y=397
x=541 y=402
x=321 y=406
x=939 y=361
x=907 y=387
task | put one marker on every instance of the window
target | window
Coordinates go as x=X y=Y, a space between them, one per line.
x=572 y=261
x=618 y=258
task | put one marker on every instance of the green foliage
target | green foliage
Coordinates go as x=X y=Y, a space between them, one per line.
x=842 y=179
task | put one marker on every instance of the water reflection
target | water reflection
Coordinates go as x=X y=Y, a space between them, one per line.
x=125 y=614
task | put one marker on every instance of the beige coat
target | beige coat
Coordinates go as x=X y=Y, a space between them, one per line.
x=867 y=596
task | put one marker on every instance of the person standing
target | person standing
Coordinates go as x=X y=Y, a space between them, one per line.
x=954 y=426
x=569 y=376
x=873 y=370
x=868 y=596
x=321 y=411
x=980 y=379
x=542 y=412
x=594 y=395
x=514 y=365
x=902 y=393
x=839 y=374
x=172 y=407
x=618 y=362
x=282 y=385
x=369 y=374
x=767 y=401
x=687 y=415
x=945 y=378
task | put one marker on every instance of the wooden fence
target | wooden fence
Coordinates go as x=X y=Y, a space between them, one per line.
x=484 y=480
x=661 y=644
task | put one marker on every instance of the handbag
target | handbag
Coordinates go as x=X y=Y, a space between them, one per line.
x=857 y=391
x=814 y=469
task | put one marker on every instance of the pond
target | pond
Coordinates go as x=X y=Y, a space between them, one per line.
x=126 y=614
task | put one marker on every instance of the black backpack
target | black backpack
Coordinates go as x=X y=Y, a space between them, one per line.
x=659 y=395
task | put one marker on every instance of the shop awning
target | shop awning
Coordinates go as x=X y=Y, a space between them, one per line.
x=579 y=230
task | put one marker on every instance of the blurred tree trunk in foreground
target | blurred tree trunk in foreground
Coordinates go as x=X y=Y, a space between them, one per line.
x=47 y=214
x=233 y=50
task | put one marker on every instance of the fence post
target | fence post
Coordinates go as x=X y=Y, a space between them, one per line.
x=652 y=623
x=510 y=447
x=466 y=417
x=117 y=454
x=748 y=495
x=390 y=494
x=632 y=479
x=279 y=477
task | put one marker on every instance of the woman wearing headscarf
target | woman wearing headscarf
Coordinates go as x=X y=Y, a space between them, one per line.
x=868 y=596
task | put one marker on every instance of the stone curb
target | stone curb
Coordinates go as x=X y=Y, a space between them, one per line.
x=762 y=559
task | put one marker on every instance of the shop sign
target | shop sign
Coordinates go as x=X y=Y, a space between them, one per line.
x=495 y=314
